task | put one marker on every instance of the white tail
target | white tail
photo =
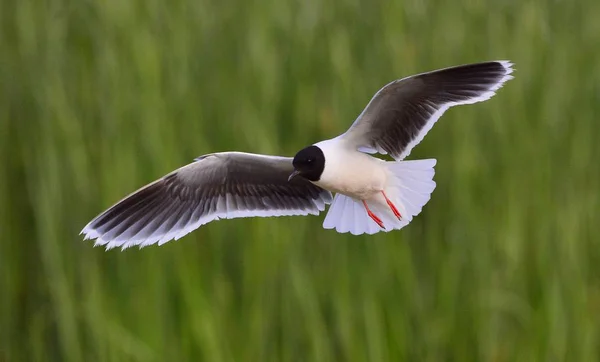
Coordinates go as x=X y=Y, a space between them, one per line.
x=409 y=190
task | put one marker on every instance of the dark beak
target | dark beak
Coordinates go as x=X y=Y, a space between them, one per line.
x=294 y=174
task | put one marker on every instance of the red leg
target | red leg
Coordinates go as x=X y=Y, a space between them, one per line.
x=392 y=206
x=373 y=216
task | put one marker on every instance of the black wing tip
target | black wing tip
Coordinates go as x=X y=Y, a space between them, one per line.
x=488 y=76
x=503 y=68
x=506 y=67
x=122 y=214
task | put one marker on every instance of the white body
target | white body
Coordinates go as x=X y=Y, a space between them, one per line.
x=350 y=172
x=357 y=177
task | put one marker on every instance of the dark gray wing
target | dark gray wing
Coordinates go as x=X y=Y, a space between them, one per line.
x=401 y=113
x=217 y=186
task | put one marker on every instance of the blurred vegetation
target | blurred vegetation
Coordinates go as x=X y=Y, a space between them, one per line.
x=98 y=98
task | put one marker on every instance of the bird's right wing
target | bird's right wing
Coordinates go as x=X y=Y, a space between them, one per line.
x=217 y=186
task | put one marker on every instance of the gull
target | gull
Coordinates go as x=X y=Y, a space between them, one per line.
x=371 y=194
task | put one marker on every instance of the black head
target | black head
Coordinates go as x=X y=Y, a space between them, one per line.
x=309 y=163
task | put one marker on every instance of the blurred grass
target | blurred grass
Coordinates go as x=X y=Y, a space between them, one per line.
x=100 y=97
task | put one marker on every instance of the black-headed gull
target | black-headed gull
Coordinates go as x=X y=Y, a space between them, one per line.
x=371 y=194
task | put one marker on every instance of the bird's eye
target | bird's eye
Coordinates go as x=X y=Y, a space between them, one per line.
x=310 y=160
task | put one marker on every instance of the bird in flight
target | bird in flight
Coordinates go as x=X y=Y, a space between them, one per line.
x=371 y=194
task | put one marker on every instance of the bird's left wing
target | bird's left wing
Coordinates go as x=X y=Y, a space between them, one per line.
x=400 y=114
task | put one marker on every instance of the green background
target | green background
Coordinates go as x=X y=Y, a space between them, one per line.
x=97 y=98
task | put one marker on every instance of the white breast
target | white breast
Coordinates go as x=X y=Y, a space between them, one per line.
x=351 y=172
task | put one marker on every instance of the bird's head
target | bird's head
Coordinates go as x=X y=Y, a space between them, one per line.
x=308 y=163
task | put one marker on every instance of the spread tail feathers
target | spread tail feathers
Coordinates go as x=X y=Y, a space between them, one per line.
x=409 y=190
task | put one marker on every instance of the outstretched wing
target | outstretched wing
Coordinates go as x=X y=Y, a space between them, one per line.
x=217 y=186
x=401 y=113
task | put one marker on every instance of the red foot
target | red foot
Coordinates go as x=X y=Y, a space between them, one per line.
x=392 y=206
x=373 y=216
